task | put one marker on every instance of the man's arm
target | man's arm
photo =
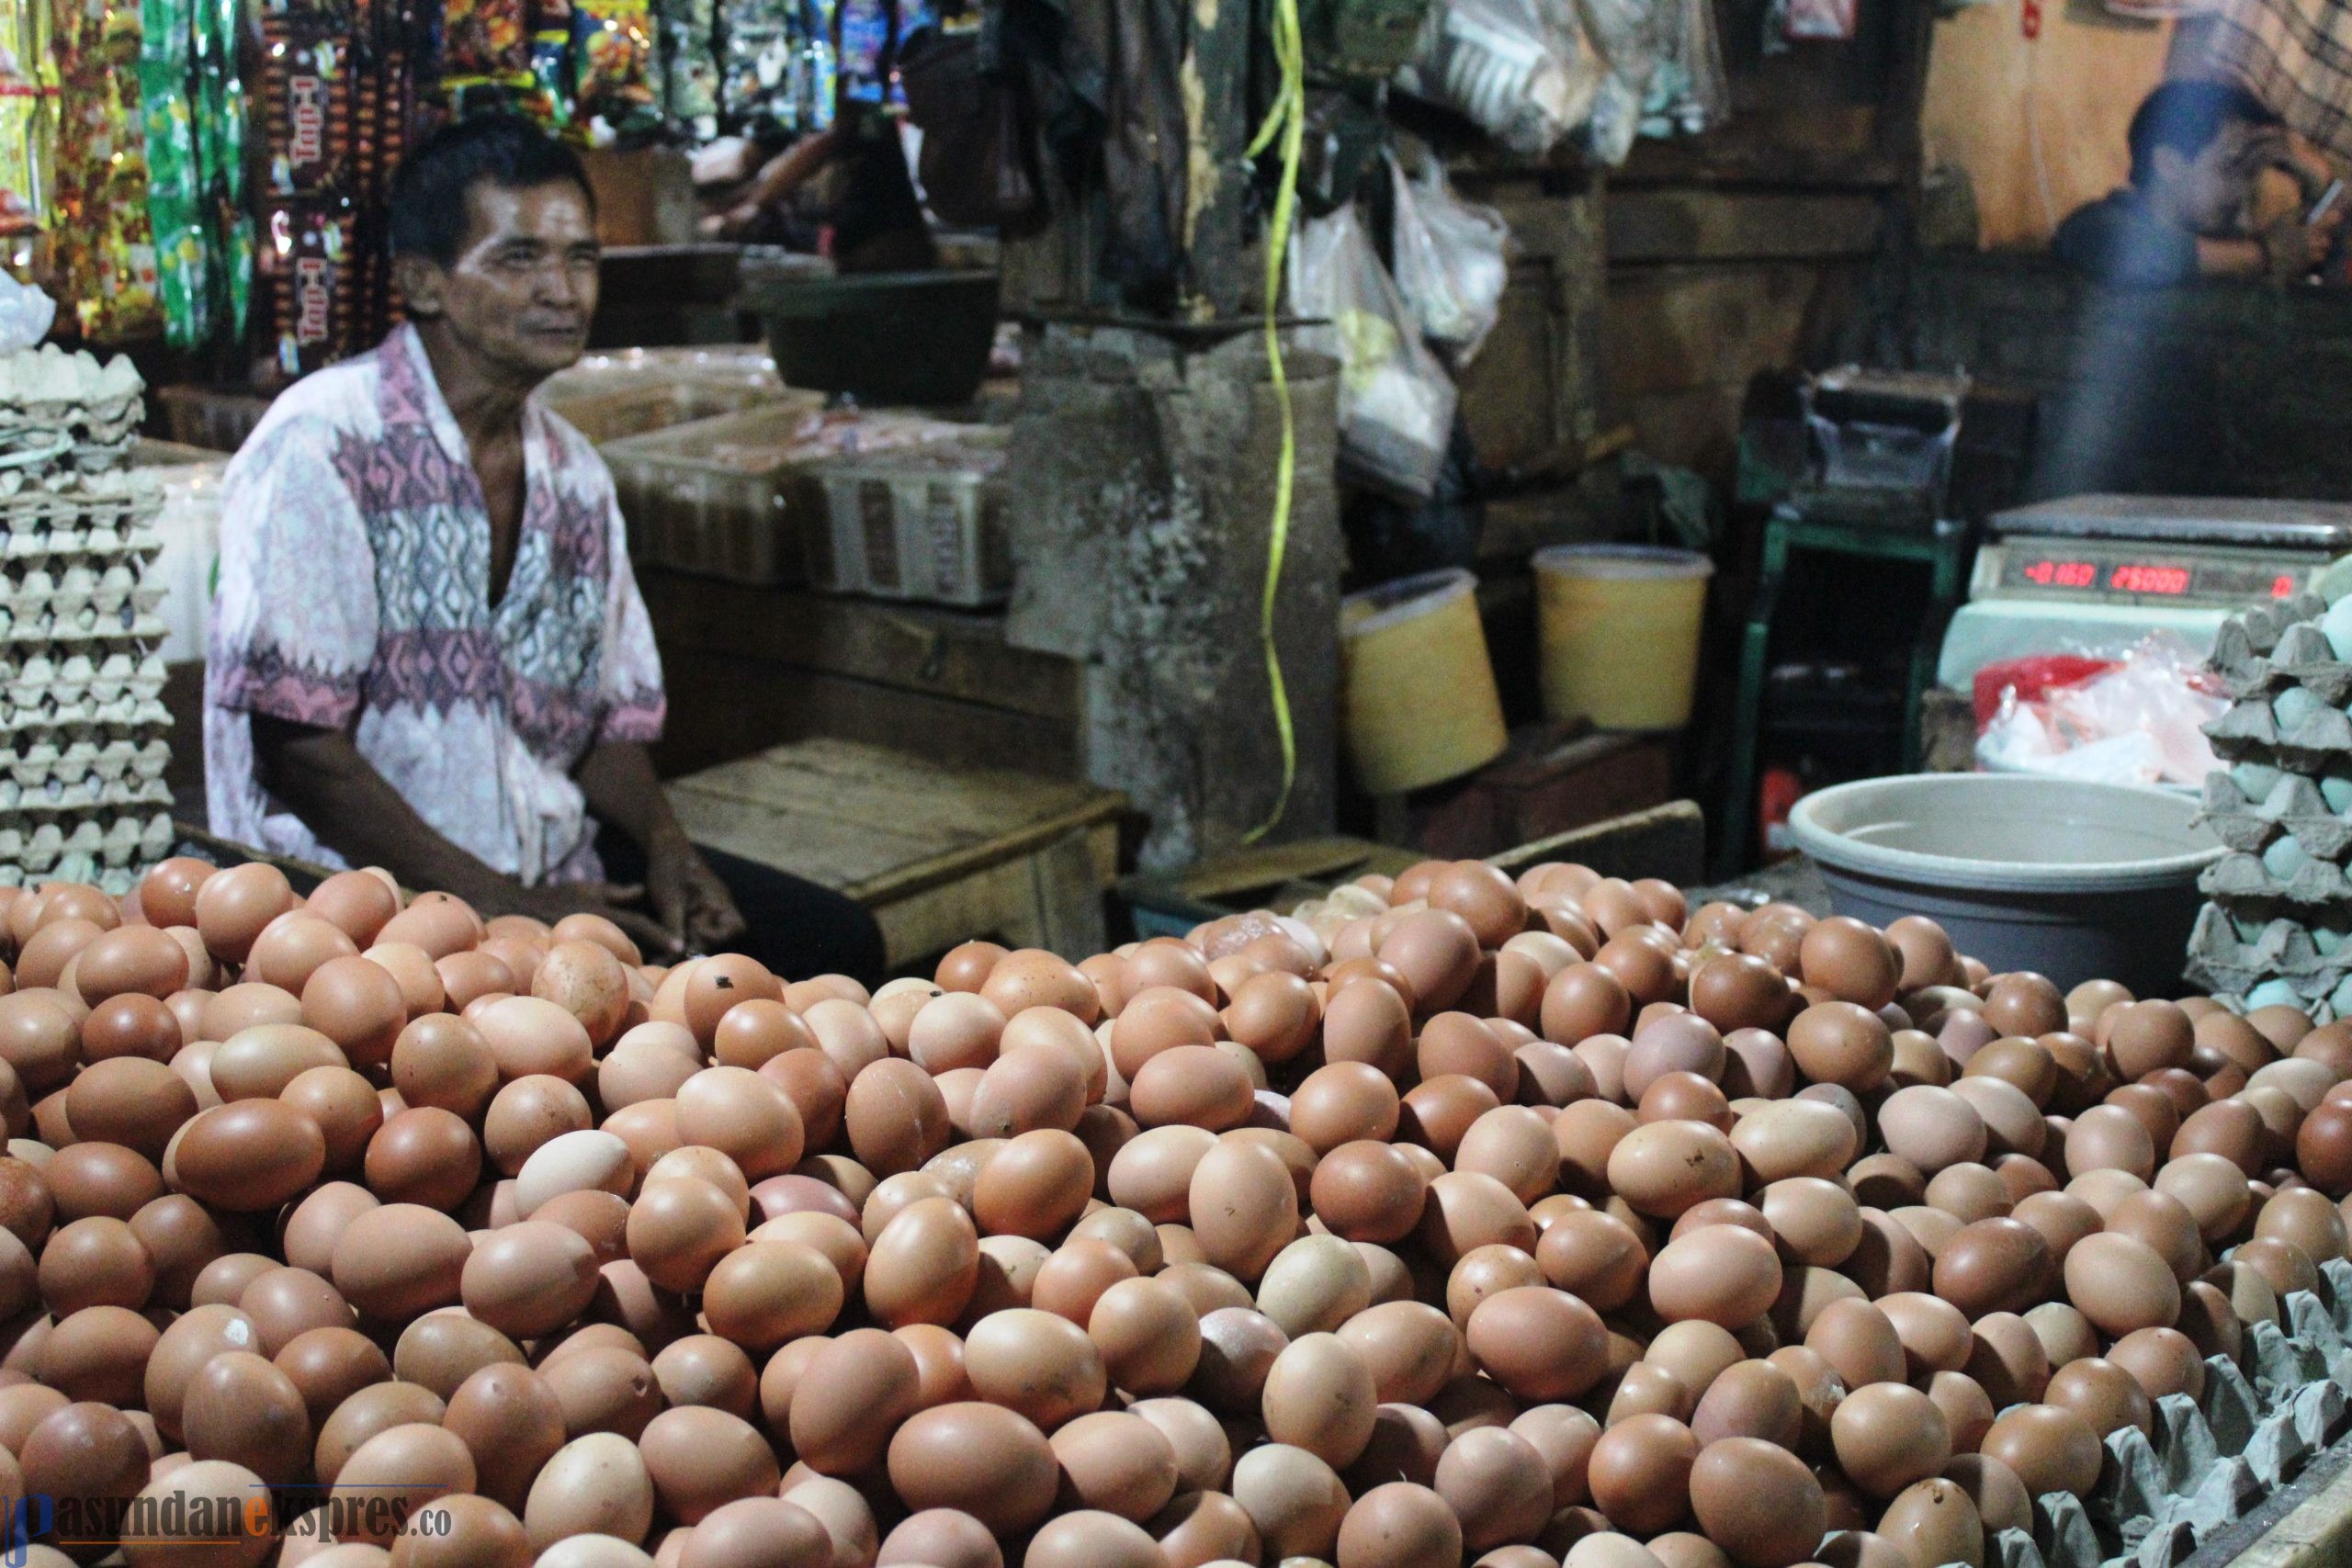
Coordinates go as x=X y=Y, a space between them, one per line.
x=692 y=904
x=322 y=779
x=2224 y=257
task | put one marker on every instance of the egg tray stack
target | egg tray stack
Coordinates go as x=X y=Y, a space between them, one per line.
x=2278 y=926
x=2213 y=1459
x=84 y=733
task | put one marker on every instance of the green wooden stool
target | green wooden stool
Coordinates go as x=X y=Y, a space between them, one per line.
x=1943 y=545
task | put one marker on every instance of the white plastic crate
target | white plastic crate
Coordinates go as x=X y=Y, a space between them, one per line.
x=924 y=521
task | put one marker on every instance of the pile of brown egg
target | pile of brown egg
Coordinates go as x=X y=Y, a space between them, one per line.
x=1460 y=1221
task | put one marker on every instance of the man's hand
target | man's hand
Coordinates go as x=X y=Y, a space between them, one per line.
x=2292 y=249
x=692 y=904
x=552 y=901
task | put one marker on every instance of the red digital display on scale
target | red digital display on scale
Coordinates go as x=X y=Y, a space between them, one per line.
x=2134 y=579
x=2061 y=573
x=2157 y=580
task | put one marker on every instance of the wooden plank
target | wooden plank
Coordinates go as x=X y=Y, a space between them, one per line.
x=1666 y=841
x=959 y=861
x=1703 y=224
x=2314 y=1533
x=1333 y=858
x=881 y=825
x=1671 y=328
x=942 y=652
x=1051 y=898
x=724 y=706
x=1816 y=145
x=850 y=781
x=832 y=852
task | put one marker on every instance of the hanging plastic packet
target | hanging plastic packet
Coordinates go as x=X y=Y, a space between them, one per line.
x=238 y=257
x=689 y=64
x=306 y=91
x=1396 y=402
x=613 y=41
x=551 y=73
x=173 y=212
x=19 y=59
x=314 y=292
x=1521 y=70
x=485 y=41
x=1453 y=260
x=23 y=200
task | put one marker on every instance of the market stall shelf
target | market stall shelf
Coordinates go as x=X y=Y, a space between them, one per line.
x=937 y=853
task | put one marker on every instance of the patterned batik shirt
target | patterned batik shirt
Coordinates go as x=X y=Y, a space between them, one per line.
x=354 y=595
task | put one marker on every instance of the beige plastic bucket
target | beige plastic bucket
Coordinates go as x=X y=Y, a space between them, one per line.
x=1620 y=632
x=1419 y=705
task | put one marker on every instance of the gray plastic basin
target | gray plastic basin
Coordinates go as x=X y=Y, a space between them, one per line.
x=2079 y=881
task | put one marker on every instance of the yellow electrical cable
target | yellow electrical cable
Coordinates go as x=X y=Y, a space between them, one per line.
x=1286 y=118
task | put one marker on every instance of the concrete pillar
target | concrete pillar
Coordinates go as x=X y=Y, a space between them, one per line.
x=1143 y=466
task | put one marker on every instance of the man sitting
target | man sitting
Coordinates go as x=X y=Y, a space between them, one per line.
x=428 y=650
x=2197 y=150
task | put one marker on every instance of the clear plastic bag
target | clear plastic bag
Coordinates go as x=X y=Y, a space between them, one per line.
x=1688 y=93
x=1395 y=400
x=2140 y=721
x=1521 y=70
x=1619 y=31
x=1663 y=73
x=1453 y=260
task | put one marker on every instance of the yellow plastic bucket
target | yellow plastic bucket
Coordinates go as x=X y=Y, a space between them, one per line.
x=1620 y=632
x=1419 y=704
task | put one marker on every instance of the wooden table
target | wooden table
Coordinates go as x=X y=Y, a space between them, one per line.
x=939 y=854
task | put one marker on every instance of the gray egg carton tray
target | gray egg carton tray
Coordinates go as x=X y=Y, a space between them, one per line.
x=2281 y=949
x=2242 y=877
x=2255 y=634
x=2293 y=808
x=2249 y=731
x=80 y=848
x=2211 y=1460
x=2302 y=658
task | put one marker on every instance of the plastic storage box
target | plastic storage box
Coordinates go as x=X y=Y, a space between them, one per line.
x=712 y=496
x=923 y=522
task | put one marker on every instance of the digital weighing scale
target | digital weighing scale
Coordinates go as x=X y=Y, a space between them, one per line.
x=2096 y=573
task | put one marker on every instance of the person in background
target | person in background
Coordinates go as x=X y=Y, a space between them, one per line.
x=429 y=649
x=2198 y=150
x=849 y=184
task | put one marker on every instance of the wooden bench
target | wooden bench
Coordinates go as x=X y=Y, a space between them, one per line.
x=939 y=854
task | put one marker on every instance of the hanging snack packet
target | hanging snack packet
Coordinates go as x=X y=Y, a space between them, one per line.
x=306 y=90
x=690 y=64
x=485 y=41
x=615 y=43
x=23 y=202
x=551 y=73
x=172 y=208
x=313 y=291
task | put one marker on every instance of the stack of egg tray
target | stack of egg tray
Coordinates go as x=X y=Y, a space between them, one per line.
x=84 y=733
x=2278 y=924
x=2211 y=1457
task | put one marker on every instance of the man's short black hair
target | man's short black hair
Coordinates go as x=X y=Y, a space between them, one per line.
x=428 y=194
x=2186 y=115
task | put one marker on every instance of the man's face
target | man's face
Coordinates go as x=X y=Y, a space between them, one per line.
x=523 y=289
x=2211 y=190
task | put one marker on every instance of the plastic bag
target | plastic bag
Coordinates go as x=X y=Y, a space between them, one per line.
x=25 y=315
x=2138 y=720
x=1662 y=73
x=1519 y=70
x=1453 y=260
x=1395 y=400
x=1688 y=91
